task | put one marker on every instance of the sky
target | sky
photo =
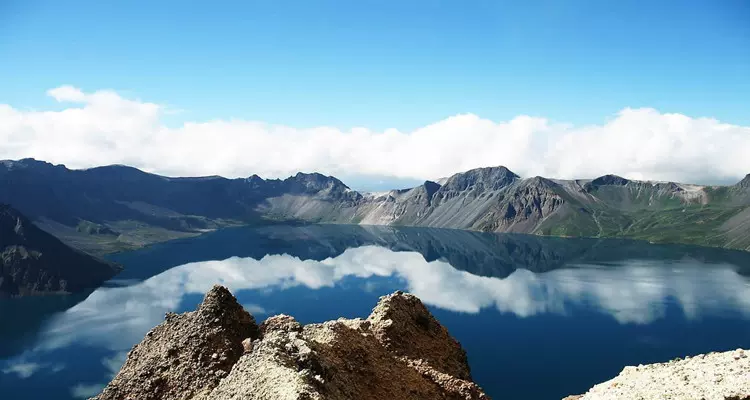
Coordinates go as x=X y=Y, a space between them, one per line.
x=380 y=92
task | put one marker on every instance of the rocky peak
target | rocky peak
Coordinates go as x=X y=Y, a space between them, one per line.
x=218 y=353
x=119 y=173
x=187 y=355
x=422 y=193
x=220 y=304
x=404 y=325
x=27 y=163
x=431 y=187
x=255 y=178
x=745 y=182
x=540 y=182
x=24 y=162
x=316 y=181
x=610 y=179
x=491 y=178
x=327 y=187
x=606 y=180
x=255 y=182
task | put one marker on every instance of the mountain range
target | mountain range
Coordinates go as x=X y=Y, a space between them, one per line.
x=112 y=208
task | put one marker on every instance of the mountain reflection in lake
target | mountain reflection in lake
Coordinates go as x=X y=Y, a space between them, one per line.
x=539 y=317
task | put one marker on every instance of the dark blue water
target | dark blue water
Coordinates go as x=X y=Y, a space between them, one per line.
x=540 y=318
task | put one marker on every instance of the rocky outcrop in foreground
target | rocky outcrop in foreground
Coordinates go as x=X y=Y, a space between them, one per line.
x=714 y=376
x=219 y=352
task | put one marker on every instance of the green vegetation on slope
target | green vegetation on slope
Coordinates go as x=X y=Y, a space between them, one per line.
x=692 y=225
x=636 y=197
x=661 y=222
x=570 y=223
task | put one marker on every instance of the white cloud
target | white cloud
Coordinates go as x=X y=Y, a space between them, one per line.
x=88 y=390
x=104 y=128
x=67 y=93
x=26 y=369
x=255 y=309
x=114 y=363
x=22 y=369
x=85 y=391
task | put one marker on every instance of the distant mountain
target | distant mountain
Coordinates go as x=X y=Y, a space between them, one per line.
x=34 y=262
x=112 y=208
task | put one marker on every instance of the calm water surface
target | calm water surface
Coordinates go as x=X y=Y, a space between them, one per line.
x=540 y=318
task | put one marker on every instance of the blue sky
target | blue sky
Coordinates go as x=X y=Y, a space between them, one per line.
x=564 y=89
x=382 y=64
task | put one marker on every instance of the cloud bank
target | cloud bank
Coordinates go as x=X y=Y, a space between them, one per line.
x=102 y=127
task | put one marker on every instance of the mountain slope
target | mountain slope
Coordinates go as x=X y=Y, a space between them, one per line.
x=114 y=208
x=33 y=261
x=117 y=207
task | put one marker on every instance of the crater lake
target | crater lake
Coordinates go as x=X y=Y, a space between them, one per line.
x=540 y=318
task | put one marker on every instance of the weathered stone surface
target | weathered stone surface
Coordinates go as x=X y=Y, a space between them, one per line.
x=399 y=352
x=280 y=323
x=405 y=327
x=714 y=376
x=186 y=356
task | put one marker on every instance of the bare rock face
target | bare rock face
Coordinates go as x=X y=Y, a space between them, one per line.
x=399 y=352
x=407 y=329
x=34 y=262
x=188 y=354
x=715 y=376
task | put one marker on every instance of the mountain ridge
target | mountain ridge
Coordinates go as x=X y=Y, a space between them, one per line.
x=113 y=208
x=34 y=262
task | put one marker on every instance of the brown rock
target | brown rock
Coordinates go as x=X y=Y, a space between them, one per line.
x=405 y=327
x=187 y=354
x=399 y=352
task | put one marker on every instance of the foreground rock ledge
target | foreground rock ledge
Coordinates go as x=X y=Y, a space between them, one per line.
x=714 y=376
x=218 y=352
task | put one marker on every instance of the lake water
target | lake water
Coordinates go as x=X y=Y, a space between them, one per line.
x=540 y=318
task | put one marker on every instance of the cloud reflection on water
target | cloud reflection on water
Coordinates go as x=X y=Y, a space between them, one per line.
x=24 y=369
x=631 y=292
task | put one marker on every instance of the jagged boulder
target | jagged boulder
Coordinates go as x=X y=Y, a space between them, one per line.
x=399 y=352
x=187 y=355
